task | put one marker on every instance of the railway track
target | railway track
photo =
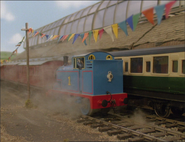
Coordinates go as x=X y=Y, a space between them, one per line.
x=154 y=129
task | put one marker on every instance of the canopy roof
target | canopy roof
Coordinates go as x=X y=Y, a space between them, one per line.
x=96 y=16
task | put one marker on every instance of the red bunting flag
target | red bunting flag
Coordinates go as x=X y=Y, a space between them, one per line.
x=42 y=35
x=168 y=8
x=100 y=32
x=85 y=36
x=65 y=37
x=30 y=30
x=149 y=15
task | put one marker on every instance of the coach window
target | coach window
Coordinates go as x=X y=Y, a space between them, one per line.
x=148 y=66
x=126 y=66
x=136 y=65
x=160 y=64
x=175 y=66
x=183 y=66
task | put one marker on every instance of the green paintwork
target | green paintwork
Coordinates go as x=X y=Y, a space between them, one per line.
x=163 y=84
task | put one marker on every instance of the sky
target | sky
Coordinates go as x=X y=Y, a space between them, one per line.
x=14 y=15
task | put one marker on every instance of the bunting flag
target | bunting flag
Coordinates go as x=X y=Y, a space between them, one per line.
x=82 y=36
x=149 y=14
x=108 y=30
x=168 y=8
x=43 y=35
x=72 y=35
x=65 y=38
x=123 y=26
x=135 y=20
x=115 y=29
x=68 y=37
x=19 y=44
x=30 y=30
x=47 y=37
x=90 y=33
x=85 y=36
x=76 y=36
x=95 y=34
x=54 y=37
x=130 y=22
x=36 y=33
x=50 y=37
x=100 y=32
x=16 y=51
x=60 y=38
x=159 y=11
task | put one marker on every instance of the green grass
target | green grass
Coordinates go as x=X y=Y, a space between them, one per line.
x=6 y=55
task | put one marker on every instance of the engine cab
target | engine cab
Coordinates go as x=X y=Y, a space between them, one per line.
x=92 y=74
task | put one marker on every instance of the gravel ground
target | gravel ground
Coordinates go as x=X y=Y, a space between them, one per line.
x=47 y=121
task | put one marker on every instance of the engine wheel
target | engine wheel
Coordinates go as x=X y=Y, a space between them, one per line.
x=162 y=110
x=177 y=111
x=85 y=107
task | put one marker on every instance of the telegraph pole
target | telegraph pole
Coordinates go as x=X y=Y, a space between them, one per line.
x=27 y=50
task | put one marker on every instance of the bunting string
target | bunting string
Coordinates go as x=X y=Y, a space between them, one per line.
x=132 y=22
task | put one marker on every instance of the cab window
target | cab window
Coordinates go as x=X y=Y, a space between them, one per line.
x=80 y=63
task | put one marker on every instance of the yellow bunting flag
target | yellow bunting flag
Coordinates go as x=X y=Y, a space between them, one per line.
x=71 y=37
x=115 y=29
x=95 y=33
x=55 y=36
x=85 y=36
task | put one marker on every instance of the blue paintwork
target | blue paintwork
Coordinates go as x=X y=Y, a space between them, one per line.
x=92 y=79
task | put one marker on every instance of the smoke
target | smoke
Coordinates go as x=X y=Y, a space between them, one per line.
x=138 y=117
x=57 y=104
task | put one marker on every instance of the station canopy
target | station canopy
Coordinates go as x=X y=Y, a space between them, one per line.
x=96 y=16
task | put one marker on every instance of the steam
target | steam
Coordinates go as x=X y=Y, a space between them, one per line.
x=57 y=104
x=138 y=117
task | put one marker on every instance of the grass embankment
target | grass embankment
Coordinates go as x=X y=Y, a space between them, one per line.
x=5 y=55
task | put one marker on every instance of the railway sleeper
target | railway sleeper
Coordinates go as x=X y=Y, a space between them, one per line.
x=104 y=129
x=181 y=129
x=114 y=132
x=171 y=125
x=126 y=125
x=88 y=123
x=97 y=125
x=148 y=131
x=159 y=134
x=135 y=127
x=124 y=136
x=160 y=122
x=172 y=139
x=136 y=139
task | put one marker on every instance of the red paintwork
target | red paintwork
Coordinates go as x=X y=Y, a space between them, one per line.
x=95 y=100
